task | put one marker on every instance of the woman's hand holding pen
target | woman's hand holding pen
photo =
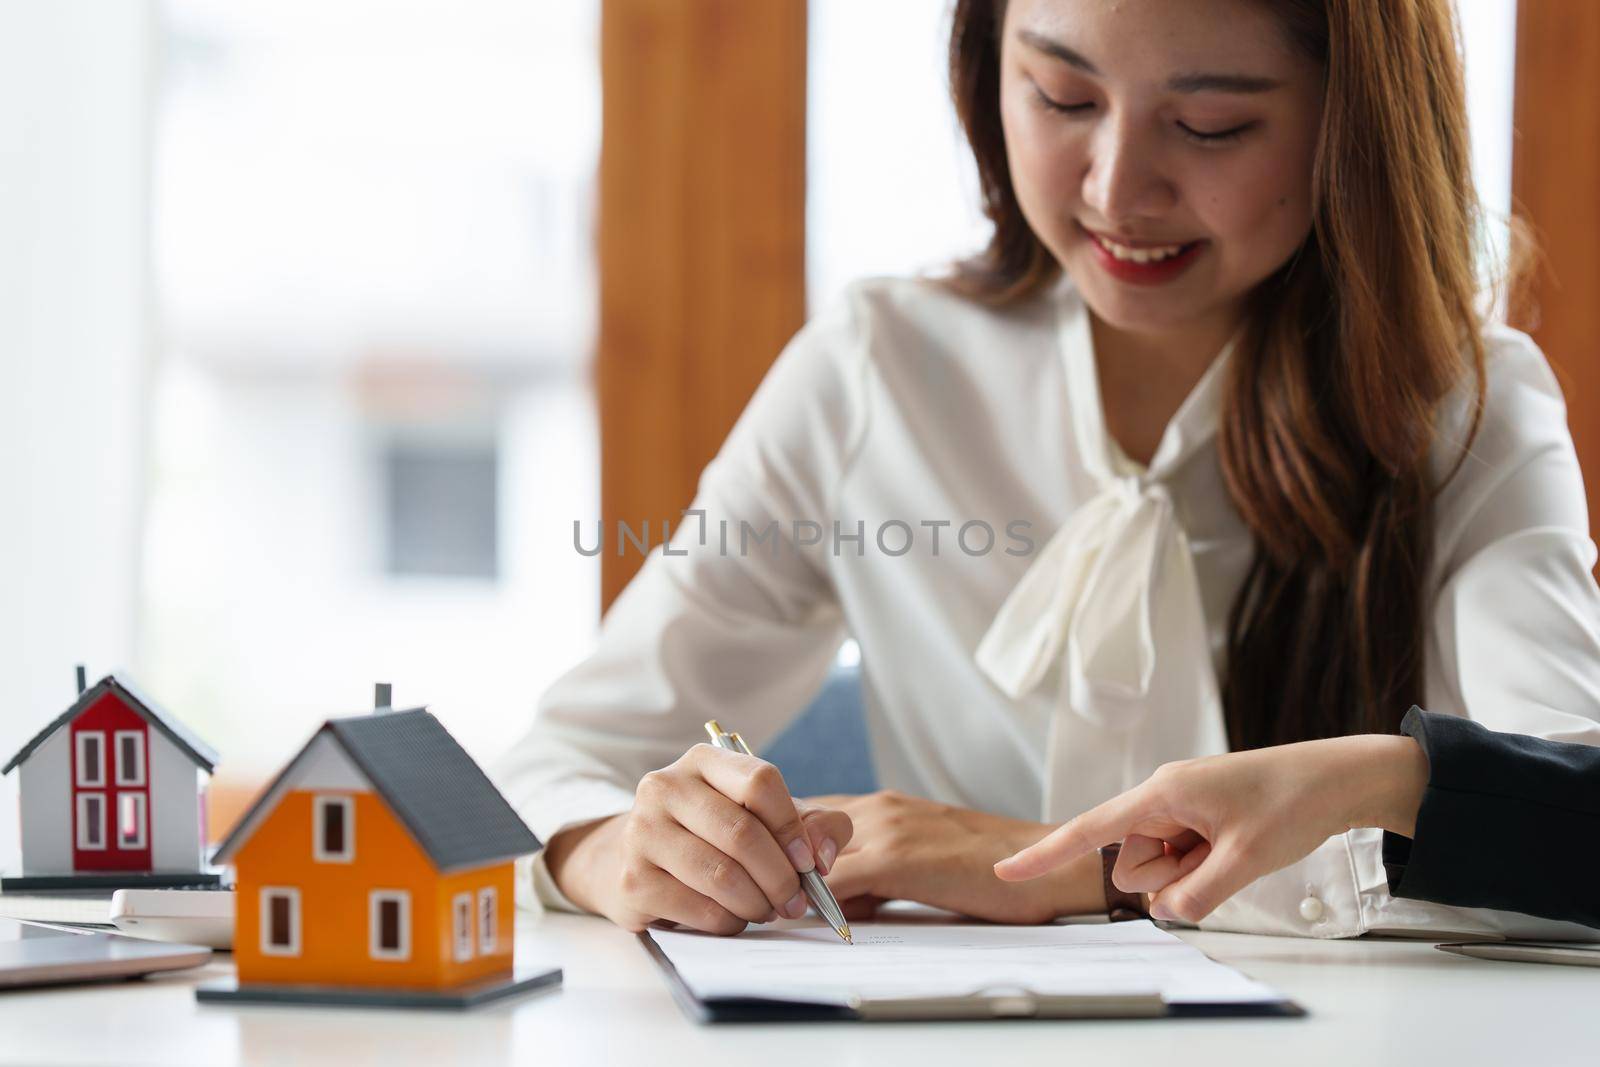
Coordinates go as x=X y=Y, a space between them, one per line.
x=713 y=842
x=1198 y=831
x=908 y=848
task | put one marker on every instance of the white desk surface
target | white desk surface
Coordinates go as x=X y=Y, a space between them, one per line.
x=1372 y=1003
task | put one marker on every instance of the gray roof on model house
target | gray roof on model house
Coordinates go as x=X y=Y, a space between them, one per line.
x=147 y=709
x=437 y=791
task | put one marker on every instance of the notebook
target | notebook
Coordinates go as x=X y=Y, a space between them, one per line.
x=955 y=971
x=78 y=907
x=200 y=915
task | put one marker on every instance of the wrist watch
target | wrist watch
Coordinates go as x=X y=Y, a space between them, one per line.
x=1120 y=906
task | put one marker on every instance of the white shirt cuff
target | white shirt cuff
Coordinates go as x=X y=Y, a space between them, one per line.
x=1318 y=897
x=573 y=804
x=545 y=891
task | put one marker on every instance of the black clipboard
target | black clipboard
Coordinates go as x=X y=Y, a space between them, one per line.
x=1004 y=1005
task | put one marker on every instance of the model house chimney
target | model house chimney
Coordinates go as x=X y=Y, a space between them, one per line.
x=382 y=698
x=83 y=680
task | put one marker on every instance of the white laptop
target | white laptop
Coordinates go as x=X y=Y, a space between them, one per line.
x=32 y=955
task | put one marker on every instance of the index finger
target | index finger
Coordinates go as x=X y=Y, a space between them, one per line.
x=758 y=786
x=1101 y=825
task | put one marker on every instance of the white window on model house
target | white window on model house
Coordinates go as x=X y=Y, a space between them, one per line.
x=488 y=926
x=91 y=821
x=280 y=921
x=389 y=924
x=130 y=757
x=91 y=757
x=333 y=829
x=461 y=925
x=132 y=820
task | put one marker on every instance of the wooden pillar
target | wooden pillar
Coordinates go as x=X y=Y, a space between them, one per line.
x=701 y=239
x=1555 y=185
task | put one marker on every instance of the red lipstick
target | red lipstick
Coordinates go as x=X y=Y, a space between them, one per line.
x=1153 y=272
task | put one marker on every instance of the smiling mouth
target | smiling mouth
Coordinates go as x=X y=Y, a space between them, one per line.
x=1143 y=252
x=1143 y=263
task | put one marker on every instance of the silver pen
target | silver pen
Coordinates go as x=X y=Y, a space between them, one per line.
x=816 y=889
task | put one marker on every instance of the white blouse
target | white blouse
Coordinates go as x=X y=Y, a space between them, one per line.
x=1041 y=621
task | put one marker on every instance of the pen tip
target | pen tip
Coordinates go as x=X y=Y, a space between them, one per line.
x=845 y=930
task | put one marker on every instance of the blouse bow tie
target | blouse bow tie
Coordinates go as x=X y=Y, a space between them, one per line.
x=1114 y=597
x=1094 y=590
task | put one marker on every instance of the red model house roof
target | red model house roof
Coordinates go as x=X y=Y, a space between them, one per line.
x=158 y=717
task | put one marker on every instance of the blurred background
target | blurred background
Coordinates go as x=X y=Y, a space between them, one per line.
x=321 y=323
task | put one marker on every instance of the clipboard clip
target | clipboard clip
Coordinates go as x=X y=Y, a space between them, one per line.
x=1017 y=1003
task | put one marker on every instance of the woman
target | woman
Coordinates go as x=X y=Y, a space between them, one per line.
x=1470 y=817
x=1209 y=449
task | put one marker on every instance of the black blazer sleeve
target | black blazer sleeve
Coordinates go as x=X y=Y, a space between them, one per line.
x=1507 y=822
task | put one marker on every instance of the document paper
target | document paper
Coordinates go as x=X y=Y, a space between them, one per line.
x=893 y=961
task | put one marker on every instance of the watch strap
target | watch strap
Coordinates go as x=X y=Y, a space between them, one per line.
x=1120 y=906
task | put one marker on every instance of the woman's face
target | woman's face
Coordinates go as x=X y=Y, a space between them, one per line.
x=1161 y=149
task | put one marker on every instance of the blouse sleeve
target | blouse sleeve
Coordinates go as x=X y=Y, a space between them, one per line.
x=1514 y=644
x=734 y=619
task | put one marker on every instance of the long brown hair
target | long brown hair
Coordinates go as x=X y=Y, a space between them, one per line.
x=1329 y=417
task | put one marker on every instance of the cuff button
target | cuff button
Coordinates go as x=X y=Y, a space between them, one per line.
x=1311 y=909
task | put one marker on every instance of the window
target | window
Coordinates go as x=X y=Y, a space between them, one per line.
x=389 y=924
x=461 y=925
x=915 y=204
x=487 y=931
x=91 y=757
x=333 y=829
x=442 y=510
x=130 y=757
x=280 y=921
x=131 y=820
x=336 y=320
x=91 y=820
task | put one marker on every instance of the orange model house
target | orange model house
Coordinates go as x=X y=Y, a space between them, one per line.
x=379 y=859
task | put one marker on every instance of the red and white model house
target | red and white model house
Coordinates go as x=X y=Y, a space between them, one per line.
x=113 y=794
